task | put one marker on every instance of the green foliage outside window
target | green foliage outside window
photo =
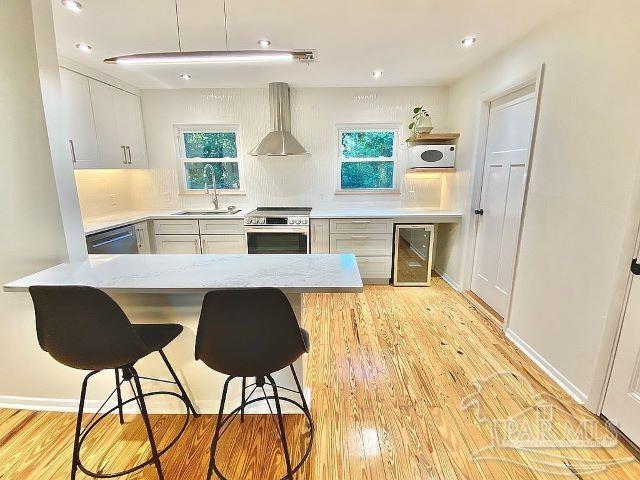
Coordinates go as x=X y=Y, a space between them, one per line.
x=367 y=144
x=227 y=175
x=366 y=175
x=210 y=145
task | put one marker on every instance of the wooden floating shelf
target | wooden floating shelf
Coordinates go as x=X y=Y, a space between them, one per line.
x=433 y=137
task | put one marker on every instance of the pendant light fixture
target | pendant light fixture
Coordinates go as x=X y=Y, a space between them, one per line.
x=219 y=56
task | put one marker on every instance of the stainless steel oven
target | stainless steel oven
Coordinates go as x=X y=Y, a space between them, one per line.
x=278 y=230
x=265 y=240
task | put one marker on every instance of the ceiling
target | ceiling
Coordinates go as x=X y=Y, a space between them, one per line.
x=415 y=42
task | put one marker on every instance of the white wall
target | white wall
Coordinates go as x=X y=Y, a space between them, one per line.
x=290 y=180
x=582 y=177
x=32 y=235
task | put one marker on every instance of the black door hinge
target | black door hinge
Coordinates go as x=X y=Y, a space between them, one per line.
x=480 y=211
x=635 y=267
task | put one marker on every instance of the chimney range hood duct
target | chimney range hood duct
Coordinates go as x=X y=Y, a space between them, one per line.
x=279 y=142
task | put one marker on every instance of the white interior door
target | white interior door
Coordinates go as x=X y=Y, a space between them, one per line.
x=509 y=137
x=622 y=400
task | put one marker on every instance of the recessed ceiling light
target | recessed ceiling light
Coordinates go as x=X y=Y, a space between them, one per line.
x=468 y=41
x=377 y=74
x=72 y=5
x=185 y=76
x=84 y=47
x=264 y=43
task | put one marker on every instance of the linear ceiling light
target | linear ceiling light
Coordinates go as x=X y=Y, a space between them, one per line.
x=223 y=56
x=220 y=56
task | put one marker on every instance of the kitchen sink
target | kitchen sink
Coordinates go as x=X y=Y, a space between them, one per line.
x=209 y=212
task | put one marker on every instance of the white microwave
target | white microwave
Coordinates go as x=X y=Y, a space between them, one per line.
x=432 y=156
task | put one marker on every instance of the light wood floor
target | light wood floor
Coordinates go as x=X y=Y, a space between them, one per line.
x=391 y=370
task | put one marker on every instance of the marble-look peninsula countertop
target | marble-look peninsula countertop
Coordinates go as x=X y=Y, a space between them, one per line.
x=197 y=273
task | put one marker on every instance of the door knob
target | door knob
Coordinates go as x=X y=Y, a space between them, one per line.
x=479 y=211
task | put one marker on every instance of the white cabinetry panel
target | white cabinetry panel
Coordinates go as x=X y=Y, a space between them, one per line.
x=361 y=225
x=371 y=245
x=224 y=244
x=176 y=244
x=79 y=122
x=222 y=226
x=175 y=227
x=320 y=236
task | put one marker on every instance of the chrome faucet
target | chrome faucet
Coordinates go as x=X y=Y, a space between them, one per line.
x=206 y=187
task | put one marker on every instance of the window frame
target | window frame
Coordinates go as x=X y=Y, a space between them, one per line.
x=395 y=158
x=180 y=129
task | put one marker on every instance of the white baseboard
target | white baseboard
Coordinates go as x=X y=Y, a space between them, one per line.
x=547 y=368
x=173 y=407
x=448 y=279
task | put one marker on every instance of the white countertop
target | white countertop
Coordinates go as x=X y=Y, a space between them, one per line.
x=100 y=224
x=107 y=222
x=431 y=216
x=197 y=273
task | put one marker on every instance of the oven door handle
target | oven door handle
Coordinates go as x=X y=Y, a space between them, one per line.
x=304 y=230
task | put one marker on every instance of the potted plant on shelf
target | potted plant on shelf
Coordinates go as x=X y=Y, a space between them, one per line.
x=421 y=121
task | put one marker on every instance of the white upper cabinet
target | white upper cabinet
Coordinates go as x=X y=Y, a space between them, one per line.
x=118 y=118
x=78 y=117
x=104 y=124
x=129 y=112
x=111 y=142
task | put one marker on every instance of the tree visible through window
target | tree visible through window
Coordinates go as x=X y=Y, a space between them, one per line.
x=200 y=144
x=367 y=159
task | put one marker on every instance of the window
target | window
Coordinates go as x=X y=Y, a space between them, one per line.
x=367 y=158
x=214 y=145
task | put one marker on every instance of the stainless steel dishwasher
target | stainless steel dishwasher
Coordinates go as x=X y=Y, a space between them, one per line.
x=118 y=240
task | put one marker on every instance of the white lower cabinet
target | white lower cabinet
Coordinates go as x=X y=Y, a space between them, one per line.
x=176 y=244
x=368 y=245
x=142 y=235
x=375 y=268
x=320 y=236
x=370 y=240
x=224 y=243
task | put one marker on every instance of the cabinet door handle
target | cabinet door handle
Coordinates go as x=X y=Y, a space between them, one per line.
x=359 y=237
x=124 y=154
x=129 y=153
x=73 y=152
x=360 y=221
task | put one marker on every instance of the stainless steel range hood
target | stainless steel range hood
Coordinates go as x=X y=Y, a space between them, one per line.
x=279 y=142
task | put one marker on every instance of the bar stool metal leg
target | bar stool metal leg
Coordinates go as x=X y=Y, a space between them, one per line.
x=119 y=393
x=76 y=440
x=283 y=434
x=244 y=387
x=147 y=423
x=179 y=384
x=216 y=435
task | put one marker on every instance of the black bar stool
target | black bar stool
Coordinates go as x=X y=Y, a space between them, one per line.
x=248 y=333
x=84 y=328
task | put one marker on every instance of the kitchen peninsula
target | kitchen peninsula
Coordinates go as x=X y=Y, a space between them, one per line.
x=170 y=288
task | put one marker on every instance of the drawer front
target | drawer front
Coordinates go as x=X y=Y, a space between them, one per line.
x=175 y=227
x=175 y=244
x=374 y=267
x=365 y=245
x=224 y=244
x=223 y=226
x=361 y=225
